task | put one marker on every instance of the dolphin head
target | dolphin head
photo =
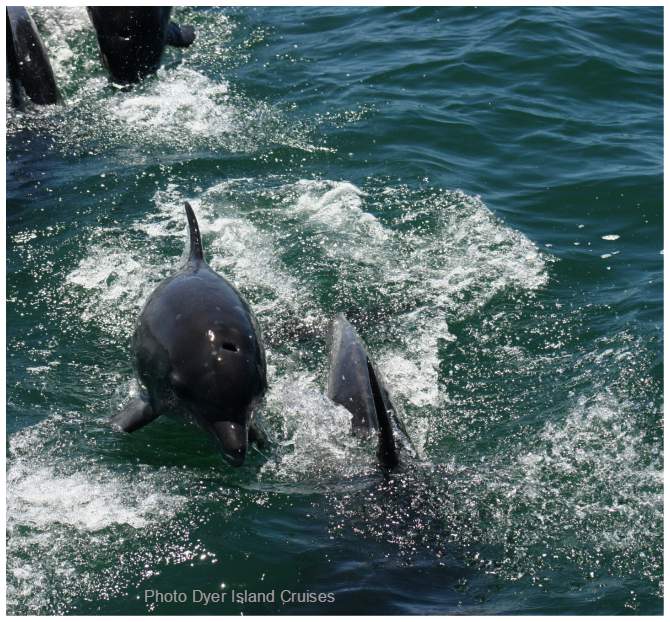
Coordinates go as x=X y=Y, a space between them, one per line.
x=217 y=378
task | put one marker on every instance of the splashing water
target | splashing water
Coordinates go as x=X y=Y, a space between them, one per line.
x=531 y=394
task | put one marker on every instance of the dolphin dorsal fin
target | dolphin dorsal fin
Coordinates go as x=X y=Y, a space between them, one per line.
x=195 y=254
x=388 y=453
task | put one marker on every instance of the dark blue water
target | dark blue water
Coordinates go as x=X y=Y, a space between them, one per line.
x=479 y=190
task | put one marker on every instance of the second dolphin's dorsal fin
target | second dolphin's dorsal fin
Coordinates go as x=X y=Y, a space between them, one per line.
x=387 y=449
x=355 y=383
x=195 y=254
x=348 y=382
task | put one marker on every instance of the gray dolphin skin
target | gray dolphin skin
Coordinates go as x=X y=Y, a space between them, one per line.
x=355 y=383
x=198 y=354
x=28 y=68
x=132 y=39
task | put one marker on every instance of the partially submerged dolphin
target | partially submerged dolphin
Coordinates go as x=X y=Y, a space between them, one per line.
x=355 y=382
x=28 y=68
x=198 y=353
x=132 y=38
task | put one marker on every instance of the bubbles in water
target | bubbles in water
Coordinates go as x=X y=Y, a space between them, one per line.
x=589 y=492
x=313 y=437
x=181 y=108
x=416 y=281
x=69 y=38
x=81 y=529
x=432 y=280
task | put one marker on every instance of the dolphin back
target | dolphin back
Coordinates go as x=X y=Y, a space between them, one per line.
x=28 y=63
x=354 y=382
x=131 y=39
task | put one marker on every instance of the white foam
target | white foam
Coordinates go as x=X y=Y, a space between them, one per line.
x=180 y=108
x=87 y=501
x=116 y=281
x=315 y=444
x=59 y=26
x=457 y=268
x=338 y=205
x=64 y=512
x=590 y=475
x=179 y=104
x=454 y=270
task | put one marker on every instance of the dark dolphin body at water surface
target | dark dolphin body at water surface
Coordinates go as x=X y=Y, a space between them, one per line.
x=433 y=190
x=198 y=353
x=354 y=381
x=132 y=39
x=28 y=68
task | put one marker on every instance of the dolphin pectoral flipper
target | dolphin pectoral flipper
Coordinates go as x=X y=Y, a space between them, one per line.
x=135 y=415
x=180 y=36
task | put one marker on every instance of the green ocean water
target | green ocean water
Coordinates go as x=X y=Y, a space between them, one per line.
x=479 y=190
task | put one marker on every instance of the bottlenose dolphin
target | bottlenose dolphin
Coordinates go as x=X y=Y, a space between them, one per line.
x=355 y=382
x=198 y=353
x=28 y=68
x=132 y=39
